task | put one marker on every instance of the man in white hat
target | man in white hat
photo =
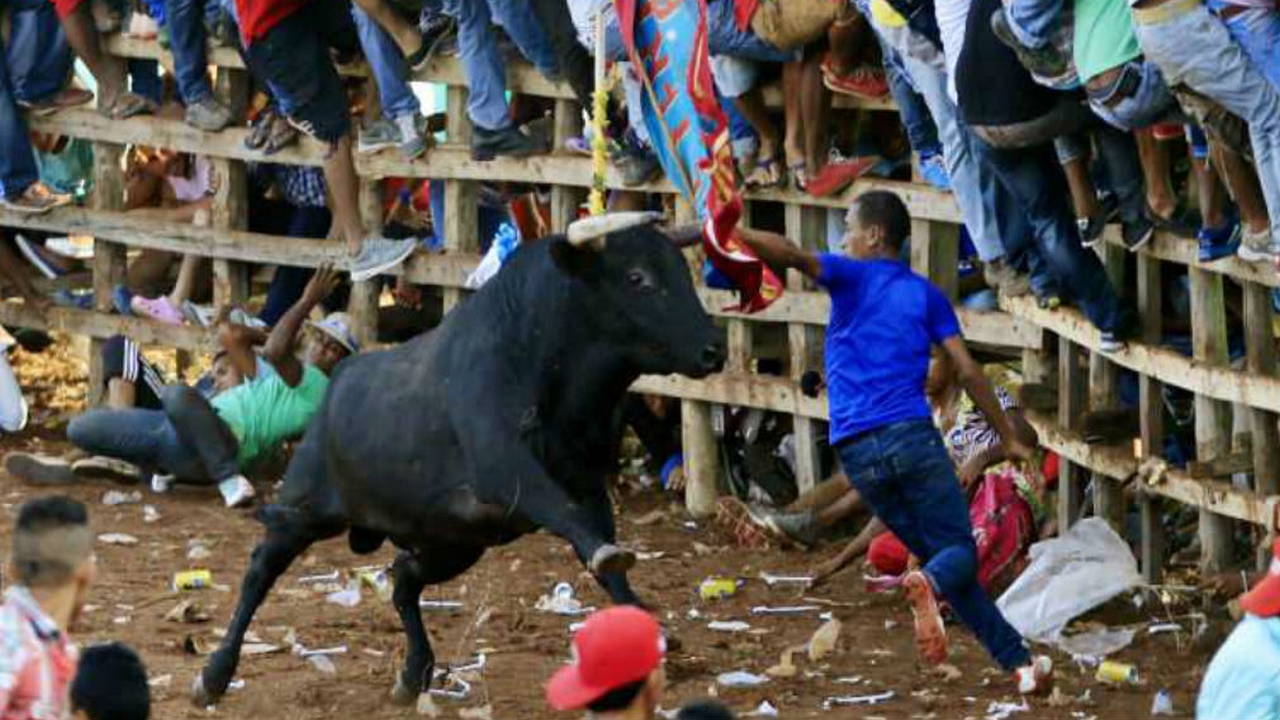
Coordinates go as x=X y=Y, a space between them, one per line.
x=203 y=441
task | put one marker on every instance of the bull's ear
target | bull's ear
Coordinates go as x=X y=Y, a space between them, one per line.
x=574 y=260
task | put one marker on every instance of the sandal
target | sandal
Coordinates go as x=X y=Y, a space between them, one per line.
x=128 y=105
x=766 y=174
x=283 y=134
x=259 y=131
x=799 y=173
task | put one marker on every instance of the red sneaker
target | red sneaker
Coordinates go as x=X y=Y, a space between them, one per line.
x=866 y=81
x=837 y=176
x=931 y=633
x=1036 y=678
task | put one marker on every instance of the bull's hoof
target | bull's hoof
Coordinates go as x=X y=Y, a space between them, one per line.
x=609 y=559
x=201 y=697
x=402 y=694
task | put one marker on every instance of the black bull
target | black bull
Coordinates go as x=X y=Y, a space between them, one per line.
x=503 y=419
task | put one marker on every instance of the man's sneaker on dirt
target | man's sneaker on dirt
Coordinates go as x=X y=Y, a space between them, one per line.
x=1256 y=246
x=101 y=466
x=161 y=484
x=36 y=469
x=209 y=115
x=509 y=141
x=795 y=527
x=236 y=491
x=1045 y=61
x=379 y=135
x=1218 y=243
x=36 y=199
x=1035 y=678
x=931 y=634
x=377 y=255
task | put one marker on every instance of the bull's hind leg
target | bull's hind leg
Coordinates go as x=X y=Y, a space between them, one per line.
x=288 y=535
x=412 y=573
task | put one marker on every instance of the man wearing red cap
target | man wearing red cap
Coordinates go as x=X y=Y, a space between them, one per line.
x=1243 y=681
x=616 y=672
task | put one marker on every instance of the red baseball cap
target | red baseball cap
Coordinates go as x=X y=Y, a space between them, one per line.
x=1264 y=599
x=614 y=647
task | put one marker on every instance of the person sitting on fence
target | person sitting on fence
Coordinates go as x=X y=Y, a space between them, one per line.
x=185 y=20
x=979 y=457
x=1243 y=679
x=53 y=566
x=83 y=33
x=287 y=43
x=884 y=321
x=202 y=441
x=401 y=124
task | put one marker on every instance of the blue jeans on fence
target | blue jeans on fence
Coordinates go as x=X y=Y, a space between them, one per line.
x=977 y=207
x=904 y=474
x=186 y=439
x=1032 y=178
x=1216 y=66
x=1257 y=30
x=922 y=130
x=1033 y=21
x=482 y=59
x=39 y=57
x=185 y=19
x=388 y=66
x=1118 y=155
x=17 y=158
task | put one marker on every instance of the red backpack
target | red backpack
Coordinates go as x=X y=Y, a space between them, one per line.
x=1003 y=528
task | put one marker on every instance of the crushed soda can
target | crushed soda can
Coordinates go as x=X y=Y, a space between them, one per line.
x=378 y=581
x=717 y=588
x=192 y=580
x=1117 y=673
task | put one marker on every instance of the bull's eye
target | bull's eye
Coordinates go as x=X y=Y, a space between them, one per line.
x=636 y=279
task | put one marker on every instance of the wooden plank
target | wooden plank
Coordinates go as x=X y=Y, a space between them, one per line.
x=1260 y=351
x=806 y=227
x=1151 y=418
x=109 y=261
x=1071 y=406
x=1213 y=417
x=461 y=199
x=701 y=459
x=780 y=395
x=935 y=254
x=565 y=200
x=230 y=212
x=1219 y=383
x=362 y=303
x=1108 y=496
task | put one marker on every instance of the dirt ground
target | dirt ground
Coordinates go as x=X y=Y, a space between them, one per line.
x=524 y=646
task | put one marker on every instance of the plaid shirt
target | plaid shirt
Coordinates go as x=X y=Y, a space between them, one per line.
x=302 y=186
x=37 y=661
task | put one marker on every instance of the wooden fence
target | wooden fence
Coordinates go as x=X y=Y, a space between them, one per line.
x=1057 y=348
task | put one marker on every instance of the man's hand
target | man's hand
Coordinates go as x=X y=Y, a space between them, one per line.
x=323 y=282
x=972 y=470
x=824 y=571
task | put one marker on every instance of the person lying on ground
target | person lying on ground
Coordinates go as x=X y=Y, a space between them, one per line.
x=110 y=684
x=884 y=321
x=53 y=566
x=976 y=451
x=1243 y=679
x=202 y=441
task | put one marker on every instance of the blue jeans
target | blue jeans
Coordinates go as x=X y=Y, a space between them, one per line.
x=922 y=133
x=742 y=136
x=1257 y=30
x=17 y=158
x=724 y=37
x=186 y=439
x=1033 y=21
x=389 y=69
x=185 y=19
x=39 y=58
x=1215 y=65
x=485 y=67
x=1033 y=179
x=1118 y=155
x=977 y=208
x=904 y=474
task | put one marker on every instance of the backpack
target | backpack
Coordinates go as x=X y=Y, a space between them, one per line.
x=1003 y=528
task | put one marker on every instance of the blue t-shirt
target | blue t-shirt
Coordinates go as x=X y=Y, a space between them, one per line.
x=1243 y=680
x=884 y=319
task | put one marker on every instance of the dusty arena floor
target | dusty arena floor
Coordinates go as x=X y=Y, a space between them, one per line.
x=523 y=645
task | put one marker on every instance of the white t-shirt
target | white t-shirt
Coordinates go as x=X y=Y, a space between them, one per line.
x=952 y=17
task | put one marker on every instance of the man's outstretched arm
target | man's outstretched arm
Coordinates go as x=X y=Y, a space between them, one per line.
x=781 y=253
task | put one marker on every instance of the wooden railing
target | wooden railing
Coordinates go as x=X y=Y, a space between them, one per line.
x=1056 y=347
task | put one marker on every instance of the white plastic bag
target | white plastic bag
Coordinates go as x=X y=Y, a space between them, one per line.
x=1068 y=576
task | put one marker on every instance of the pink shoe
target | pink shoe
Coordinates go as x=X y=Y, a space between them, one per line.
x=157 y=309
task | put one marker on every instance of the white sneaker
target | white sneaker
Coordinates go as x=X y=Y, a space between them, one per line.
x=161 y=484
x=1256 y=247
x=236 y=491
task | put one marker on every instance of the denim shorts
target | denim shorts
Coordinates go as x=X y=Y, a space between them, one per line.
x=1138 y=98
x=294 y=58
x=724 y=37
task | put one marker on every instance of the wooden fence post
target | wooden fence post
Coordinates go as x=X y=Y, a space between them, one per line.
x=109 y=259
x=1151 y=418
x=1071 y=403
x=565 y=199
x=1213 y=417
x=806 y=226
x=461 y=197
x=1108 y=494
x=362 y=305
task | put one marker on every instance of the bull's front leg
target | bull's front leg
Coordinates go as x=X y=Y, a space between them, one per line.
x=616 y=584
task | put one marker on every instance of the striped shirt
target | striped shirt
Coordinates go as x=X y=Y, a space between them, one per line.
x=37 y=661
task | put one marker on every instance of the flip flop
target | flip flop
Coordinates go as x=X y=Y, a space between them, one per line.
x=260 y=131
x=283 y=134
x=128 y=105
x=766 y=174
x=799 y=174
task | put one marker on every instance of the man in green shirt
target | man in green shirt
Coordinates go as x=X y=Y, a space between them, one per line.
x=1123 y=88
x=216 y=441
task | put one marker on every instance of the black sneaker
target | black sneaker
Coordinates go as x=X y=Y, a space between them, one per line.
x=488 y=144
x=1137 y=233
x=1111 y=342
x=1045 y=62
x=1090 y=230
x=1182 y=223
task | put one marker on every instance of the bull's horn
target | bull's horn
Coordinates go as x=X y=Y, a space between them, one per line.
x=684 y=235
x=592 y=230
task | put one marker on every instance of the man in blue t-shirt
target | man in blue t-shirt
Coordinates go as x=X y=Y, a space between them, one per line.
x=884 y=321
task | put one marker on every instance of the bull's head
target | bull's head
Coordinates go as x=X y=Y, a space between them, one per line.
x=639 y=294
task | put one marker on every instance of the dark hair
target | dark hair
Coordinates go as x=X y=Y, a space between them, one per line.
x=34 y=562
x=618 y=698
x=884 y=209
x=704 y=710
x=111 y=684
